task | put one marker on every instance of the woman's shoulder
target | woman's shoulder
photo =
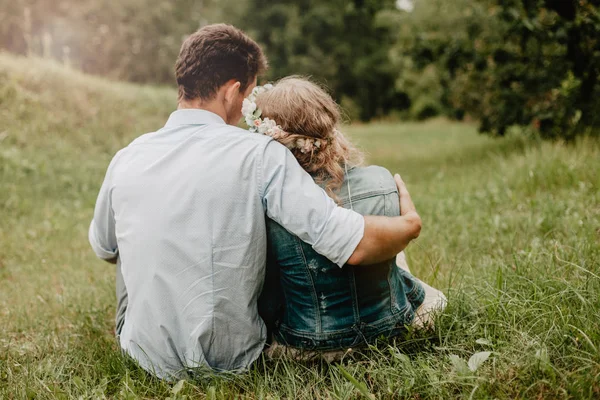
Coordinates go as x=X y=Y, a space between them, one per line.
x=372 y=171
x=370 y=191
x=372 y=178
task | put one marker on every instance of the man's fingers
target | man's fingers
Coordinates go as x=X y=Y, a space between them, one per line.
x=399 y=182
x=402 y=190
x=407 y=207
x=406 y=204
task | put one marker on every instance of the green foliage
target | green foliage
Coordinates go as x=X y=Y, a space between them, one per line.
x=135 y=40
x=510 y=234
x=338 y=42
x=431 y=44
x=530 y=63
x=543 y=70
x=520 y=62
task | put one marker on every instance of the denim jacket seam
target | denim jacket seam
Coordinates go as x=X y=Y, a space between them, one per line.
x=312 y=284
x=315 y=335
x=416 y=290
x=367 y=195
x=355 y=307
x=392 y=291
x=385 y=204
x=417 y=293
x=399 y=316
x=405 y=314
x=394 y=317
x=418 y=287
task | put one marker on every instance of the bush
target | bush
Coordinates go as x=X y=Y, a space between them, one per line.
x=519 y=62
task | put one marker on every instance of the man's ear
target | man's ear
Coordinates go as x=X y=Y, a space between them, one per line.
x=233 y=91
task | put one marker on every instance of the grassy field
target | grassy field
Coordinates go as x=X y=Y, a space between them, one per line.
x=511 y=233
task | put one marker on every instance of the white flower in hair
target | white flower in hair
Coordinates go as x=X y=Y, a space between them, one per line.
x=264 y=127
x=270 y=123
x=305 y=145
x=308 y=146
x=252 y=116
x=248 y=107
x=275 y=132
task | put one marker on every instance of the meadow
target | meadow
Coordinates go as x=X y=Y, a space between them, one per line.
x=511 y=233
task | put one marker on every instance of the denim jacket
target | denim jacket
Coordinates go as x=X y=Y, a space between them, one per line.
x=313 y=304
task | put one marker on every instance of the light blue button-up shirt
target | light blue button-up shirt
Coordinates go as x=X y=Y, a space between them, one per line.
x=184 y=209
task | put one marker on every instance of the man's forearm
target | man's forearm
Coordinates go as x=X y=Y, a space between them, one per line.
x=385 y=237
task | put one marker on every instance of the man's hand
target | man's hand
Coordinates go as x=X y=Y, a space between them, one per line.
x=406 y=204
x=407 y=207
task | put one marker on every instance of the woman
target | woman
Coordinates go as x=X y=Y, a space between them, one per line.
x=325 y=307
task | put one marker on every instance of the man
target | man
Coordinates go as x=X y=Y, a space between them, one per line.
x=182 y=210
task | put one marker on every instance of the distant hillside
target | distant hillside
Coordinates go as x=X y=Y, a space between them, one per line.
x=59 y=129
x=45 y=104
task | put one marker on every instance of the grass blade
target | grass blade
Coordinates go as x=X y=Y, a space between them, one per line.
x=361 y=387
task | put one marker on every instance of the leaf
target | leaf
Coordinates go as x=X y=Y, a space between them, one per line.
x=483 y=342
x=57 y=392
x=211 y=393
x=477 y=359
x=513 y=12
x=460 y=366
x=528 y=24
x=403 y=358
x=127 y=386
x=542 y=355
x=78 y=382
x=362 y=388
x=178 y=386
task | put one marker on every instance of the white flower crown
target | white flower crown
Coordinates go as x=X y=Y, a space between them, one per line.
x=252 y=116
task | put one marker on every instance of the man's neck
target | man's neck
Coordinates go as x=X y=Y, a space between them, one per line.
x=213 y=106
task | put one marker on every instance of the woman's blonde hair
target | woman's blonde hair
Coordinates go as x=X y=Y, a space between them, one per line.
x=304 y=110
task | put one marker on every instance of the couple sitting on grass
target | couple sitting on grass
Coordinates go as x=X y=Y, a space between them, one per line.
x=231 y=243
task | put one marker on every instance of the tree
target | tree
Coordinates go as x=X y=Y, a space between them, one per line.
x=339 y=43
x=432 y=44
x=516 y=62
x=135 y=40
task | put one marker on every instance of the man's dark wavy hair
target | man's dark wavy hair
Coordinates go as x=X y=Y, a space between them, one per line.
x=213 y=56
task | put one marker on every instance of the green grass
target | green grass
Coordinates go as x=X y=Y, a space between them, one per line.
x=511 y=233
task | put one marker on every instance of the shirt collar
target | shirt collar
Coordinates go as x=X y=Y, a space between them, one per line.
x=192 y=116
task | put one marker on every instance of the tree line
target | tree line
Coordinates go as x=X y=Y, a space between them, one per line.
x=531 y=63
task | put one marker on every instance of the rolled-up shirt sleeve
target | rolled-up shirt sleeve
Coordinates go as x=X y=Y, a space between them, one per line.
x=292 y=199
x=101 y=234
